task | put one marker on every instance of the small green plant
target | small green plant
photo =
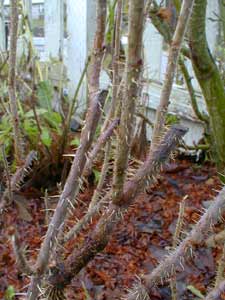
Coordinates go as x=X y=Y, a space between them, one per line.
x=45 y=94
x=172 y=119
x=75 y=142
x=10 y=293
x=38 y=124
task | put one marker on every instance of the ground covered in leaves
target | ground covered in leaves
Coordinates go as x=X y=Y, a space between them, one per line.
x=138 y=243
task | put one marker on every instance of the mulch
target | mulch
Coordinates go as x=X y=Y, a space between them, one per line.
x=138 y=243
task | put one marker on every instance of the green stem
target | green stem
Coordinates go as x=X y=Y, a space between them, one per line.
x=187 y=78
x=71 y=109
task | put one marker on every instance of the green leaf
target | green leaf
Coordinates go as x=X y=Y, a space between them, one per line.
x=30 y=129
x=20 y=108
x=97 y=175
x=171 y=119
x=75 y=142
x=39 y=112
x=45 y=137
x=9 y=293
x=6 y=137
x=195 y=291
x=54 y=120
x=45 y=94
x=5 y=123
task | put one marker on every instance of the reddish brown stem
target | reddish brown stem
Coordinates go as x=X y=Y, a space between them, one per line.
x=71 y=187
x=98 y=239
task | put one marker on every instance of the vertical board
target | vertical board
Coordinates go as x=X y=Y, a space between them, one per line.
x=153 y=42
x=54 y=28
x=76 y=45
x=81 y=24
x=28 y=9
x=2 y=27
x=212 y=24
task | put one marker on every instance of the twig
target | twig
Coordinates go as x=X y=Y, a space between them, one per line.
x=141 y=115
x=104 y=171
x=6 y=166
x=17 y=179
x=71 y=109
x=216 y=292
x=98 y=239
x=104 y=136
x=132 y=73
x=30 y=40
x=47 y=216
x=187 y=78
x=176 y=259
x=20 y=257
x=116 y=63
x=87 y=218
x=220 y=268
x=69 y=193
x=32 y=104
x=164 y=28
x=179 y=224
x=176 y=237
x=18 y=148
x=174 y=51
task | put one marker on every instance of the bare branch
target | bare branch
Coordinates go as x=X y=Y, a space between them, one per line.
x=176 y=238
x=98 y=239
x=104 y=136
x=6 y=166
x=175 y=261
x=132 y=73
x=201 y=116
x=215 y=294
x=71 y=187
x=17 y=179
x=174 y=51
x=116 y=57
x=220 y=268
x=12 y=81
x=87 y=218
x=21 y=260
x=104 y=171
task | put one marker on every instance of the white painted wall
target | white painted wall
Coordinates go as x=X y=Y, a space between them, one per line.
x=2 y=27
x=212 y=24
x=54 y=28
x=81 y=17
x=153 y=42
x=6 y=2
x=81 y=26
x=28 y=9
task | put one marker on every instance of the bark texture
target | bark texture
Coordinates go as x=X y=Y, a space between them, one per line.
x=175 y=262
x=174 y=51
x=98 y=239
x=209 y=79
x=71 y=187
x=217 y=292
x=12 y=81
x=132 y=72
